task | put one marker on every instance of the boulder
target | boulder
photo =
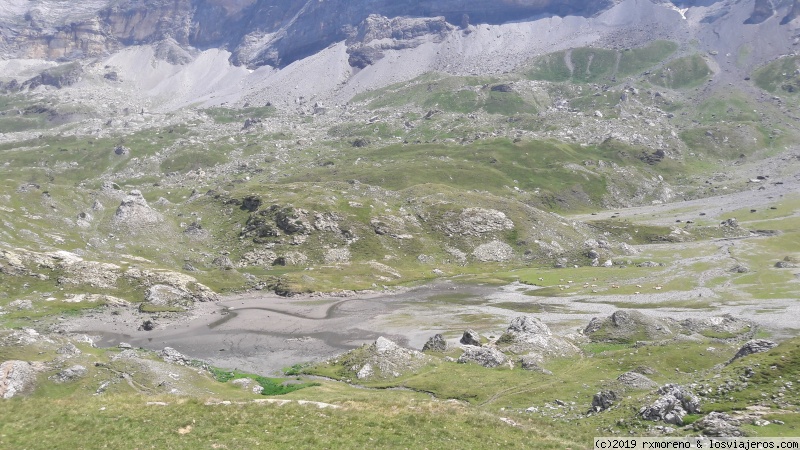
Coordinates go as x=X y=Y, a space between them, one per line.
x=724 y=326
x=16 y=377
x=628 y=326
x=739 y=268
x=635 y=380
x=528 y=325
x=485 y=356
x=164 y=295
x=436 y=343
x=603 y=400
x=68 y=349
x=730 y=223
x=718 y=424
x=528 y=334
x=494 y=251
x=70 y=374
x=479 y=221
x=532 y=362
x=672 y=406
x=471 y=337
x=134 y=213
x=365 y=372
x=384 y=359
x=754 y=346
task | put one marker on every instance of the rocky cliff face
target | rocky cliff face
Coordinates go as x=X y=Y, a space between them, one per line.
x=277 y=32
x=258 y=32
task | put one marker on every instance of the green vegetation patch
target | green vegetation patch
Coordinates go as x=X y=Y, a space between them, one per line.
x=463 y=95
x=231 y=115
x=779 y=76
x=685 y=72
x=598 y=65
x=271 y=386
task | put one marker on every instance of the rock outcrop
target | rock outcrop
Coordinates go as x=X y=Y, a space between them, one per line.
x=258 y=32
x=471 y=337
x=754 y=346
x=494 y=251
x=672 y=406
x=478 y=221
x=384 y=359
x=528 y=334
x=134 y=214
x=485 y=356
x=628 y=326
x=16 y=377
x=436 y=343
x=71 y=374
x=718 y=424
x=603 y=400
x=636 y=380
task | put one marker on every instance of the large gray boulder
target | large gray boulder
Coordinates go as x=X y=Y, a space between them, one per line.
x=16 y=377
x=169 y=296
x=754 y=346
x=485 y=356
x=528 y=334
x=673 y=405
x=718 y=424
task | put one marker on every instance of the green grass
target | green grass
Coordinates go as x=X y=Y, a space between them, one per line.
x=636 y=60
x=685 y=72
x=597 y=65
x=779 y=76
x=487 y=166
x=271 y=386
x=224 y=115
x=126 y=422
x=437 y=92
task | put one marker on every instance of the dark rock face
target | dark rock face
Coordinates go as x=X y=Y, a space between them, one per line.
x=762 y=10
x=603 y=400
x=394 y=34
x=793 y=13
x=58 y=77
x=471 y=337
